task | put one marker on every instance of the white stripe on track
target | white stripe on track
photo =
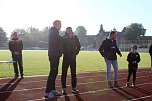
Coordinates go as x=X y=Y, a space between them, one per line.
x=67 y=85
x=68 y=78
x=77 y=74
x=141 y=98
x=101 y=90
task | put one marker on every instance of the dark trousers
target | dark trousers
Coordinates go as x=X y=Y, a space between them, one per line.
x=151 y=60
x=66 y=63
x=18 y=59
x=54 y=63
x=130 y=72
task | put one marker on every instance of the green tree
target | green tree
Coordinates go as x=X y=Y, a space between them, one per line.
x=45 y=34
x=134 y=31
x=21 y=32
x=3 y=38
x=81 y=31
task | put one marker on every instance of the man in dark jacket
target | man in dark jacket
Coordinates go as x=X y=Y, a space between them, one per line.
x=108 y=50
x=16 y=47
x=71 y=48
x=54 y=53
x=150 y=52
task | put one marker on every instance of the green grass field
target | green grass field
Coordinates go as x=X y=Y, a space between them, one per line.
x=36 y=62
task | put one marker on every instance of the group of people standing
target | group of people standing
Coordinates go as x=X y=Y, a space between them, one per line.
x=69 y=47
x=108 y=50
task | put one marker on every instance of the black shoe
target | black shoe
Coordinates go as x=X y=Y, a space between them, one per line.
x=116 y=84
x=127 y=84
x=64 y=92
x=16 y=76
x=75 y=91
x=22 y=76
x=109 y=84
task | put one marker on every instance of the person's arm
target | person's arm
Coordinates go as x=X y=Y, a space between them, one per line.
x=53 y=41
x=101 y=49
x=118 y=51
x=150 y=50
x=138 y=59
x=10 y=46
x=78 y=45
x=63 y=44
x=20 y=46
x=128 y=58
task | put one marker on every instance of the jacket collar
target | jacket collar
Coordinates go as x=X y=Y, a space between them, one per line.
x=15 y=38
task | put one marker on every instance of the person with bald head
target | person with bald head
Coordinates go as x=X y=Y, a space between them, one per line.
x=54 y=54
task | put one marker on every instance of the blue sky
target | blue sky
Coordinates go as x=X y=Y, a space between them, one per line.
x=88 y=13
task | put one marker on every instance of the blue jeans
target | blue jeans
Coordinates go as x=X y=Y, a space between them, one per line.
x=115 y=67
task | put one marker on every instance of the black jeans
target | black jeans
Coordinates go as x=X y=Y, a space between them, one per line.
x=66 y=63
x=130 y=72
x=54 y=63
x=18 y=59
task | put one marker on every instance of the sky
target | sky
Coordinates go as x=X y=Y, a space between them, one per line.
x=73 y=13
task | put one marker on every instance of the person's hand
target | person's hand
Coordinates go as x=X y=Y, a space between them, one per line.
x=134 y=62
x=120 y=55
x=16 y=53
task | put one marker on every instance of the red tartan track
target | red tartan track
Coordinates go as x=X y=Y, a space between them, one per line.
x=92 y=87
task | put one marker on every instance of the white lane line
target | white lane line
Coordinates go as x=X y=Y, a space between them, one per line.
x=143 y=72
x=141 y=98
x=58 y=74
x=67 y=85
x=96 y=91
x=121 y=72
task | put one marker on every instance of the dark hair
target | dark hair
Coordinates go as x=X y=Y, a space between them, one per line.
x=112 y=32
x=14 y=33
x=68 y=28
x=56 y=21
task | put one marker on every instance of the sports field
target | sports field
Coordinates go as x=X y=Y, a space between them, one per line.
x=36 y=62
x=91 y=81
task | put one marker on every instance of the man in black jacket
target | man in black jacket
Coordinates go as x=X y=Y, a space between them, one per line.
x=108 y=50
x=54 y=53
x=71 y=48
x=16 y=47
x=150 y=52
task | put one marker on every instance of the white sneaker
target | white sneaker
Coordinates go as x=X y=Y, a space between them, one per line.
x=75 y=91
x=49 y=95
x=55 y=93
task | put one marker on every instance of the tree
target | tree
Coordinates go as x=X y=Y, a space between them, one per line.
x=3 y=38
x=134 y=31
x=21 y=32
x=45 y=34
x=80 y=30
x=81 y=33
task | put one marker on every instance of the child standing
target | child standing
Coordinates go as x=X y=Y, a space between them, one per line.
x=133 y=59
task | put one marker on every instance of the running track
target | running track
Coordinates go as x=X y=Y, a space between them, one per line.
x=92 y=87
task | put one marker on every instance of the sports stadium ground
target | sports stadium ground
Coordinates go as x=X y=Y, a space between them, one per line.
x=91 y=85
